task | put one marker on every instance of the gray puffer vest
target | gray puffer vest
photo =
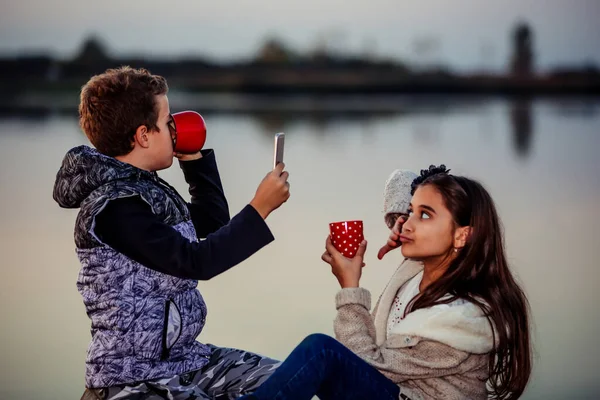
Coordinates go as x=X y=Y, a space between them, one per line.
x=144 y=323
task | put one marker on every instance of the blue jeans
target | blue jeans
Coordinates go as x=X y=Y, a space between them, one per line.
x=322 y=366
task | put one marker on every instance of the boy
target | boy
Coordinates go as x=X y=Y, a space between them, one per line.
x=138 y=244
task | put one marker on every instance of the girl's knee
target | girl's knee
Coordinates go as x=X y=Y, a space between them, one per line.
x=319 y=341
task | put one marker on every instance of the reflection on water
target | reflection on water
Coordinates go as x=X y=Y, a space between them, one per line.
x=522 y=125
x=539 y=159
x=320 y=113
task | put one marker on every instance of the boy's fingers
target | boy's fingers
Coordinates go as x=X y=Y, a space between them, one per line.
x=279 y=168
x=383 y=251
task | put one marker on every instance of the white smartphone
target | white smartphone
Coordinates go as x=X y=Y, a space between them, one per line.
x=278 y=150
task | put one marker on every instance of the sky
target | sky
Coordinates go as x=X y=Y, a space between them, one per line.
x=466 y=34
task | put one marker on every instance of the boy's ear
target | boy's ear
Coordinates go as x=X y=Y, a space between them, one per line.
x=141 y=136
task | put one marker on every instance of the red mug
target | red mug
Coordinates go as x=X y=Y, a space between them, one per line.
x=190 y=132
x=346 y=236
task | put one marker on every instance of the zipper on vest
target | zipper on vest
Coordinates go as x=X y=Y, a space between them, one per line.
x=165 y=351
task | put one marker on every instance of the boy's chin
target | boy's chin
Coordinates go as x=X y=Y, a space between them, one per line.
x=168 y=163
x=164 y=164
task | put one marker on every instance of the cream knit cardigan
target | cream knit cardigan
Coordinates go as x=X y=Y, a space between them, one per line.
x=441 y=352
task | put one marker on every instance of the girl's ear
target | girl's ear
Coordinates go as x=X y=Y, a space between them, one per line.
x=461 y=235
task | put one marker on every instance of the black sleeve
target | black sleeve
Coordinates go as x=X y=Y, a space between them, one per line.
x=129 y=226
x=208 y=208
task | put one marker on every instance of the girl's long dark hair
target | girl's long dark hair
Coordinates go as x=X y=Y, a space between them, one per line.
x=480 y=274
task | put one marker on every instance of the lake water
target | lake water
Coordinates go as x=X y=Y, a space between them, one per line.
x=539 y=159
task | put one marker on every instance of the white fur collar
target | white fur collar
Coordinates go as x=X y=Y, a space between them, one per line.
x=461 y=325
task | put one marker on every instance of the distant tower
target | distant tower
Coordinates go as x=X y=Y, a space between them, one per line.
x=274 y=51
x=522 y=58
x=92 y=51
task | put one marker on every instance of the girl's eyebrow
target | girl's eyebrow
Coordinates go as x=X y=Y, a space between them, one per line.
x=424 y=206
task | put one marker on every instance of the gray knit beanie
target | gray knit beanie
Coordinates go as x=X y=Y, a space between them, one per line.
x=396 y=195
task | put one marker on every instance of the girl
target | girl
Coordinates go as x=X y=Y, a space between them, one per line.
x=452 y=322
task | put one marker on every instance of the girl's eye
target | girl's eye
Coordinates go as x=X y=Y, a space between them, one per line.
x=424 y=215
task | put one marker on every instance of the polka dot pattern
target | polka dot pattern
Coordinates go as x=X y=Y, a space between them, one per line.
x=346 y=236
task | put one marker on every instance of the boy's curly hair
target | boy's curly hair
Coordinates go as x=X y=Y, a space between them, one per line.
x=114 y=104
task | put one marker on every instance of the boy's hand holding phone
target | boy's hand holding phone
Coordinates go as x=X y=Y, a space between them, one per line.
x=273 y=191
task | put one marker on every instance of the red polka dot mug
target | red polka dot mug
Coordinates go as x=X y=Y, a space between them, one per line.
x=346 y=236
